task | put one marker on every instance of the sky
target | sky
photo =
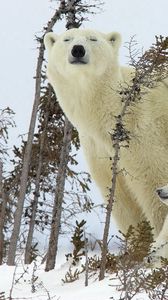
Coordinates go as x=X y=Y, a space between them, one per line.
x=21 y=21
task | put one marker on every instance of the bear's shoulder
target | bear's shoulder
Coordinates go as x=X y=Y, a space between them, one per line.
x=127 y=73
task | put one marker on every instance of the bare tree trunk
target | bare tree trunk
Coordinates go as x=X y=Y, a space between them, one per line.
x=26 y=163
x=86 y=260
x=149 y=70
x=108 y=213
x=64 y=157
x=27 y=258
x=27 y=155
x=120 y=135
x=59 y=194
x=2 y=213
x=72 y=21
x=36 y=192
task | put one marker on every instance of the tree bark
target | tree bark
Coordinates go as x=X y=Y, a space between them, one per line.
x=149 y=70
x=108 y=213
x=3 y=201
x=59 y=195
x=27 y=155
x=36 y=193
x=2 y=213
x=26 y=163
x=72 y=22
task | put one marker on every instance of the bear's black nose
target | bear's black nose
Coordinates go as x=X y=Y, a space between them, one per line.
x=78 y=51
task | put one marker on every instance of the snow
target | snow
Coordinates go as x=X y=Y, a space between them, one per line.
x=49 y=285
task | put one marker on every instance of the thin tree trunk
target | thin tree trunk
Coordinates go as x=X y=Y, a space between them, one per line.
x=108 y=212
x=27 y=154
x=64 y=157
x=119 y=136
x=36 y=192
x=2 y=212
x=86 y=260
x=71 y=16
x=26 y=163
x=59 y=195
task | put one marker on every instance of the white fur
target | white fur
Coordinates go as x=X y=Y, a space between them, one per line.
x=89 y=96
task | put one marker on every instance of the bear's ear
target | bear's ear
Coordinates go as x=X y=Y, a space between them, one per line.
x=49 y=39
x=115 y=39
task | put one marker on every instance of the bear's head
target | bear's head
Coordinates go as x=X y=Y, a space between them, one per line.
x=81 y=52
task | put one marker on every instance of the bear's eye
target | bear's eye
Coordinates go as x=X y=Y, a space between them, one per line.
x=67 y=39
x=93 y=39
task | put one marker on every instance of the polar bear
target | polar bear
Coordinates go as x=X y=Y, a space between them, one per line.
x=84 y=70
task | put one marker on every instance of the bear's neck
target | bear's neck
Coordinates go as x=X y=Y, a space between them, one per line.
x=84 y=98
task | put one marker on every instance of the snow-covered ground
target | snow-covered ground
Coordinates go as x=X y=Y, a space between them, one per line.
x=49 y=285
